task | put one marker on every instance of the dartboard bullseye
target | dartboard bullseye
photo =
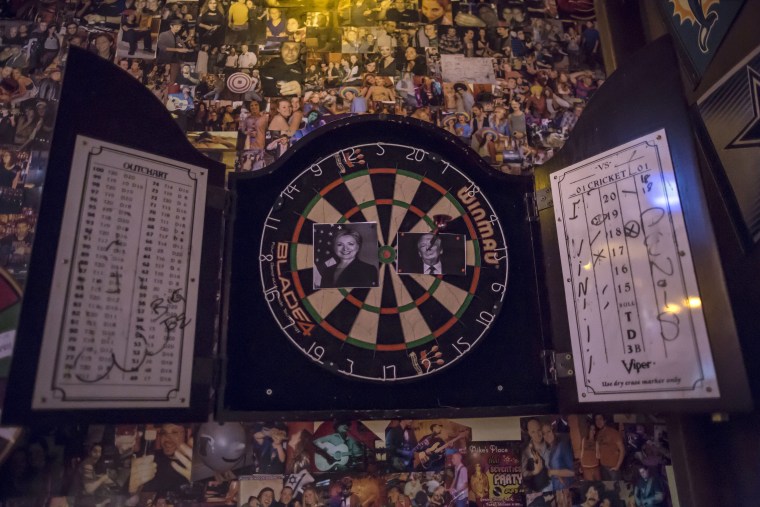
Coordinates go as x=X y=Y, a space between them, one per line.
x=383 y=262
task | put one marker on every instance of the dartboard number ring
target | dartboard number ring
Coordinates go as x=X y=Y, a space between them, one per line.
x=383 y=262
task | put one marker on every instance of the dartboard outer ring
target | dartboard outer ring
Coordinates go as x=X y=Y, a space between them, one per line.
x=421 y=353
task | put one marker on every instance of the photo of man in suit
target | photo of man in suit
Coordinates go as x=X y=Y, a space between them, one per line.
x=430 y=248
x=431 y=254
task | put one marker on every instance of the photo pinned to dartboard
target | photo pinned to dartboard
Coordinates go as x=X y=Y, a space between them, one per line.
x=345 y=255
x=431 y=253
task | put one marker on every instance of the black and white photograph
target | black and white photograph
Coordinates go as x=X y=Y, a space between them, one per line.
x=138 y=35
x=430 y=254
x=345 y=255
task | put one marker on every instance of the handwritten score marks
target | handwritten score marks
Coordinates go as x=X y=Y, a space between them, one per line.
x=120 y=324
x=634 y=308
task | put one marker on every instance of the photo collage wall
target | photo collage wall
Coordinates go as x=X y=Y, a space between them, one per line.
x=509 y=77
x=245 y=79
x=558 y=461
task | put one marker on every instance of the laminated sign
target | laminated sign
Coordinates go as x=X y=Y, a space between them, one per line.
x=634 y=307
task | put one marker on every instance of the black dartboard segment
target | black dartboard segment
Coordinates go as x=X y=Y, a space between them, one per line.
x=301 y=340
x=409 y=325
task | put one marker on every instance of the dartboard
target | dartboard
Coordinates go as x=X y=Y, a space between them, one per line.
x=380 y=266
x=383 y=261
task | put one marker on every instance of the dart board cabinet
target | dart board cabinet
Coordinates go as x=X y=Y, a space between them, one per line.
x=381 y=265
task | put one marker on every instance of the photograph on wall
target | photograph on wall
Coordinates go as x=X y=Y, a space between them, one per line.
x=345 y=255
x=418 y=489
x=260 y=490
x=334 y=490
x=730 y=112
x=253 y=122
x=228 y=454
x=285 y=115
x=275 y=444
x=647 y=444
x=33 y=469
x=459 y=483
x=34 y=176
x=430 y=253
x=135 y=67
x=494 y=473
x=343 y=446
x=436 y=439
x=10 y=306
x=104 y=463
x=163 y=459
x=99 y=465
x=220 y=449
x=277 y=143
x=617 y=494
x=400 y=444
x=547 y=458
x=139 y=33
x=180 y=104
x=16 y=174
x=250 y=160
x=625 y=457
x=17 y=233
x=213 y=141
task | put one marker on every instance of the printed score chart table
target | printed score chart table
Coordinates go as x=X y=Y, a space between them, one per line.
x=635 y=314
x=120 y=324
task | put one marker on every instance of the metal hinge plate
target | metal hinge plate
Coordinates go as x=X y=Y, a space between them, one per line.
x=538 y=201
x=557 y=365
x=544 y=199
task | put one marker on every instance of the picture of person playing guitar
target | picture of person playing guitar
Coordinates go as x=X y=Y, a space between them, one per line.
x=400 y=442
x=460 y=485
x=339 y=451
x=429 y=452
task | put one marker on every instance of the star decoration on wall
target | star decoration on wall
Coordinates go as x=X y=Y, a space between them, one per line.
x=750 y=135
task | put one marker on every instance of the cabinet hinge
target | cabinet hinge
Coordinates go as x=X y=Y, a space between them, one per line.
x=531 y=210
x=536 y=202
x=557 y=365
x=544 y=199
